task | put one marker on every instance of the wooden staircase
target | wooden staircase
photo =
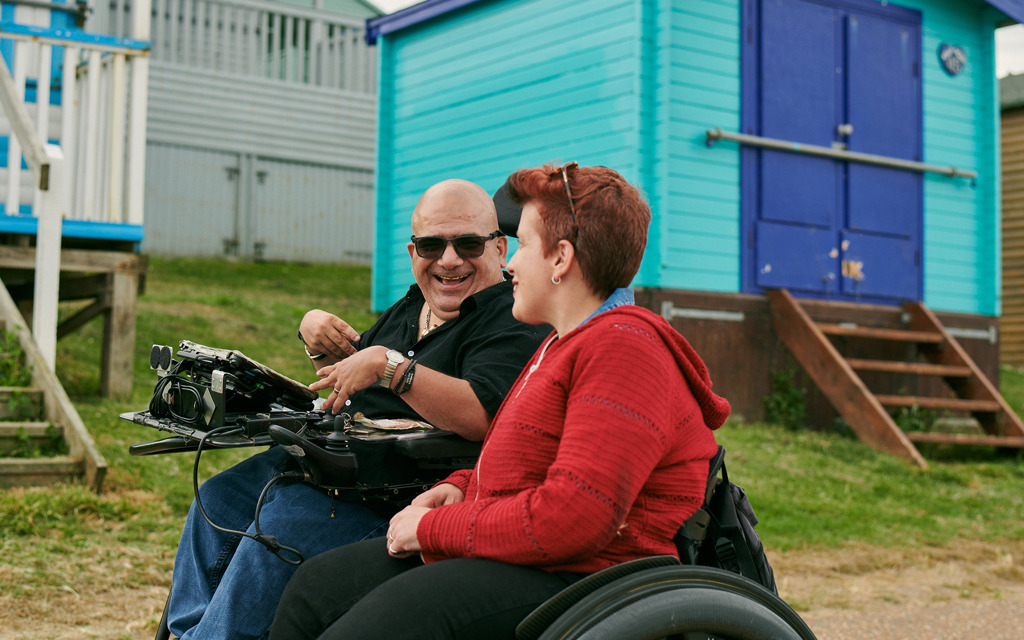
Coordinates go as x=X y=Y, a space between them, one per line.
x=42 y=438
x=932 y=353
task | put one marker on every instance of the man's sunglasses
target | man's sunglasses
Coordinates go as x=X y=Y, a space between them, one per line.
x=468 y=246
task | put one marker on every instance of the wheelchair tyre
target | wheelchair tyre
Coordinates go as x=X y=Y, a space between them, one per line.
x=162 y=631
x=685 y=601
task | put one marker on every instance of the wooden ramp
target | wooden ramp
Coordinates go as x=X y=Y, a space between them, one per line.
x=35 y=415
x=930 y=352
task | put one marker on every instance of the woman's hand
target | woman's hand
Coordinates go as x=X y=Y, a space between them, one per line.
x=439 y=496
x=402 y=540
x=344 y=378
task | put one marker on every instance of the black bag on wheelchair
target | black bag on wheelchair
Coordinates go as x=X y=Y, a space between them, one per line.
x=721 y=533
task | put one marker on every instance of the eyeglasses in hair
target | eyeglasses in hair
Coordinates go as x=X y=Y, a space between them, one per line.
x=564 y=170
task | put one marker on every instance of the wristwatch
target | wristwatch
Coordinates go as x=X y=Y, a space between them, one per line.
x=394 y=359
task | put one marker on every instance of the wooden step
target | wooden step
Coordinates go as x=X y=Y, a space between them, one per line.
x=38 y=471
x=878 y=333
x=837 y=380
x=919 y=368
x=952 y=404
x=963 y=438
x=866 y=411
x=41 y=435
x=20 y=403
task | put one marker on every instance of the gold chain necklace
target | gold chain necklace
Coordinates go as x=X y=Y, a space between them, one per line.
x=426 y=324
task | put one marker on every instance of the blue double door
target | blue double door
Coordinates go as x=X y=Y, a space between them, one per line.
x=843 y=74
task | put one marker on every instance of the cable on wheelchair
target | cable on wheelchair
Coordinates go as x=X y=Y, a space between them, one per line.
x=269 y=542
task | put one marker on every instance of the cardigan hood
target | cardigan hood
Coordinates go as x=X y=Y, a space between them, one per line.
x=714 y=407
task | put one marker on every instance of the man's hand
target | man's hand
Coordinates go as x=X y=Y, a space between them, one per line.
x=439 y=496
x=350 y=375
x=328 y=334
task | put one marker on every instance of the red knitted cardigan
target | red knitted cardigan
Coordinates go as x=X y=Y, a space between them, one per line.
x=597 y=455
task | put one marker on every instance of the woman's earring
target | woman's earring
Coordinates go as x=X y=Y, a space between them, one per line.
x=556 y=281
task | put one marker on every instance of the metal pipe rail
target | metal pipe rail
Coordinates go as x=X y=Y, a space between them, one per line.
x=836 y=154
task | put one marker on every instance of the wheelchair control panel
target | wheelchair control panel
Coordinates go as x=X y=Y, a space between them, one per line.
x=207 y=398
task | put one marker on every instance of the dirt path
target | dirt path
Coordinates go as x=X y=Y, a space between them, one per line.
x=860 y=593
x=973 y=591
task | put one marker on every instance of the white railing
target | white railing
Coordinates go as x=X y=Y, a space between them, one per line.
x=97 y=171
x=252 y=38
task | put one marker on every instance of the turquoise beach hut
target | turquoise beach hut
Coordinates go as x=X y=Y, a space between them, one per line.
x=824 y=177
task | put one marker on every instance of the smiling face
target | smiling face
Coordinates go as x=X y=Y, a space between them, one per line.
x=448 y=209
x=531 y=271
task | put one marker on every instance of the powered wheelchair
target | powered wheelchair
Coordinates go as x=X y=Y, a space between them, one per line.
x=214 y=398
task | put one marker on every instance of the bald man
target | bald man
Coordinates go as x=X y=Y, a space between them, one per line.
x=446 y=353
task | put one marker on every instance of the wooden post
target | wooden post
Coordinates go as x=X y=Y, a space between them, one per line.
x=138 y=101
x=119 y=332
x=115 y=140
x=52 y=209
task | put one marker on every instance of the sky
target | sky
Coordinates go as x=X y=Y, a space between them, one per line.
x=1009 y=50
x=1009 y=40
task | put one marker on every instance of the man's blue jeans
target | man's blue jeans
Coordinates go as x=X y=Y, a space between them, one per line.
x=225 y=585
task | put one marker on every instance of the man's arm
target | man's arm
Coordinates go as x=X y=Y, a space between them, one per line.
x=460 y=411
x=442 y=400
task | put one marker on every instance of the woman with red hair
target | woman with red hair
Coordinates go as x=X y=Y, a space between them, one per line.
x=597 y=455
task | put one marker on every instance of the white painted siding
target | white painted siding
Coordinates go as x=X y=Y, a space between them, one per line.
x=266 y=117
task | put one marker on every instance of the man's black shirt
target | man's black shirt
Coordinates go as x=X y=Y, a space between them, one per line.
x=484 y=345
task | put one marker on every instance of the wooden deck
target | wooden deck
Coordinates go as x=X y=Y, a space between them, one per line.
x=111 y=280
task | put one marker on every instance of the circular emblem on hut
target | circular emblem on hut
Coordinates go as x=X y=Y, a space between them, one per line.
x=953 y=58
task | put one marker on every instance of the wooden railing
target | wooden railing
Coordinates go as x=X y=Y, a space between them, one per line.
x=96 y=171
x=252 y=38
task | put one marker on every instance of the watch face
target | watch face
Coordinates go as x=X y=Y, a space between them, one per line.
x=395 y=357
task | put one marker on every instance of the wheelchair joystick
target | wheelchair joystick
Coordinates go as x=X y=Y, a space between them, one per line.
x=337 y=441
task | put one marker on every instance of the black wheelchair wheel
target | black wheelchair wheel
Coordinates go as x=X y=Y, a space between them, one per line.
x=681 y=601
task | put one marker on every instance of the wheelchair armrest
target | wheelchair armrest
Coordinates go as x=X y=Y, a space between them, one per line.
x=451 y=446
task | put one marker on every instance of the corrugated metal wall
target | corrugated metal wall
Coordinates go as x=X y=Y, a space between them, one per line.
x=212 y=203
x=191 y=201
x=257 y=169
x=1012 y=324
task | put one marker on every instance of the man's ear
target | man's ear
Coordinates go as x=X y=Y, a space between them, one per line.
x=412 y=249
x=502 y=245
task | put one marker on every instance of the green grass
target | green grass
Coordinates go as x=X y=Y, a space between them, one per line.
x=811 y=490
